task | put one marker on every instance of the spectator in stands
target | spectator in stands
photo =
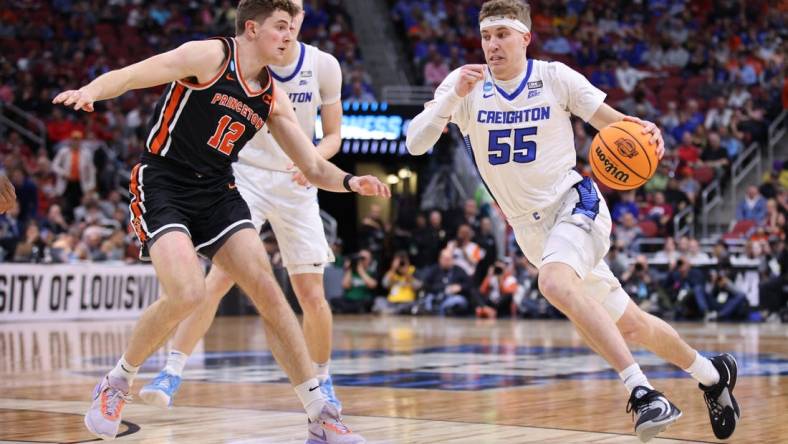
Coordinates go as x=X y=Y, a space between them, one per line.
x=772 y=297
x=616 y=258
x=26 y=193
x=752 y=207
x=775 y=220
x=739 y=96
x=626 y=205
x=719 y=115
x=32 y=248
x=359 y=94
x=401 y=283
x=436 y=69
x=676 y=56
x=603 y=77
x=641 y=284
x=628 y=233
x=467 y=253
x=669 y=254
x=470 y=214
x=54 y=222
x=695 y=255
x=428 y=240
x=724 y=301
x=660 y=212
x=685 y=284
x=358 y=284
x=731 y=140
x=628 y=77
x=75 y=172
x=677 y=198
x=10 y=232
x=714 y=155
x=497 y=292
x=447 y=287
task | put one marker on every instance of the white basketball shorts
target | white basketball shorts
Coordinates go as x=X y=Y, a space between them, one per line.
x=294 y=215
x=575 y=231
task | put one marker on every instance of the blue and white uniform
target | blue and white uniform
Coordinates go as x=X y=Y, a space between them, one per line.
x=314 y=79
x=519 y=133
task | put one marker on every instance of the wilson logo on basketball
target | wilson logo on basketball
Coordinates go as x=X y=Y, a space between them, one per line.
x=610 y=167
x=626 y=148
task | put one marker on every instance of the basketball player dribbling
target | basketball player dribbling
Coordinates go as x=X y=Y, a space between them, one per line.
x=185 y=201
x=515 y=115
x=312 y=79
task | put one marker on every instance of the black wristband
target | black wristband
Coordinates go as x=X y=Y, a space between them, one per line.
x=346 y=182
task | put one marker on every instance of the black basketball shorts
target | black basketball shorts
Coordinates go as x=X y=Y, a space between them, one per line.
x=166 y=196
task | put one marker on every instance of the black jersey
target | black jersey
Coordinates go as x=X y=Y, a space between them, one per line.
x=203 y=126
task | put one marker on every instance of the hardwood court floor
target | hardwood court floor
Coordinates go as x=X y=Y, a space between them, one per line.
x=401 y=379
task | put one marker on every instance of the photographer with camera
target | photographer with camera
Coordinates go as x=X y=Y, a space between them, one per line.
x=497 y=291
x=402 y=285
x=358 y=284
x=725 y=301
x=685 y=284
x=640 y=283
x=447 y=287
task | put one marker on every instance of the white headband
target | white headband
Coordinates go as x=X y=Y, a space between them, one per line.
x=501 y=20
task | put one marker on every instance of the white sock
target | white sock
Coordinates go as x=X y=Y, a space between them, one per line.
x=703 y=371
x=124 y=370
x=322 y=371
x=311 y=397
x=175 y=362
x=633 y=377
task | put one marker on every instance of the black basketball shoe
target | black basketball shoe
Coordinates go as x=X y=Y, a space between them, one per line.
x=723 y=409
x=651 y=412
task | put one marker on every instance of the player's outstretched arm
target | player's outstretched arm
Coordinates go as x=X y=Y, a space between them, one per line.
x=200 y=59
x=607 y=115
x=283 y=125
x=426 y=128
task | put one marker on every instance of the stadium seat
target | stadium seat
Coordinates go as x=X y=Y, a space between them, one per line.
x=648 y=228
x=704 y=174
x=740 y=230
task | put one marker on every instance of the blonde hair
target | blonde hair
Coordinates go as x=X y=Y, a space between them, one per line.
x=516 y=9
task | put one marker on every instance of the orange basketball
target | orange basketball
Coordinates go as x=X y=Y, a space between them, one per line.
x=621 y=156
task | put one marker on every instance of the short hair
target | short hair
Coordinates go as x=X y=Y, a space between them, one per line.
x=259 y=10
x=516 y=9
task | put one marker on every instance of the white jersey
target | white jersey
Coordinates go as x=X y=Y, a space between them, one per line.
x=314 y=79
x=521 y=137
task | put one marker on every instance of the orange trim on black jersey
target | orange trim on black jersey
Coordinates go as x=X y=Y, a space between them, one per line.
x=169 y=112
x=241 y=80
x=136 y=203
x=218 y=75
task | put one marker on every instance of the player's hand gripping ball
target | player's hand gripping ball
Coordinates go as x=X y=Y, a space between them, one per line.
x=622 y=157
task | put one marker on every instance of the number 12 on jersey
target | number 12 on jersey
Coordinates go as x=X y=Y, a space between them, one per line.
x=225 y=144
x=519 y=150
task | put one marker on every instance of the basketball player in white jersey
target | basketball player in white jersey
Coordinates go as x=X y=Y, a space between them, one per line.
x=276 y=192
x=515 y=115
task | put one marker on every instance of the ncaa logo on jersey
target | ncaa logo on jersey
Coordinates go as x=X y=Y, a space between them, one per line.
x=487 y=90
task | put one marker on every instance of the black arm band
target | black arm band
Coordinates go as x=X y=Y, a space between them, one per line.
x=346 y=182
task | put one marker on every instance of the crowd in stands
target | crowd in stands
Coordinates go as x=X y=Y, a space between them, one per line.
x=70 y=189
x=712 y=101
x=463 y=274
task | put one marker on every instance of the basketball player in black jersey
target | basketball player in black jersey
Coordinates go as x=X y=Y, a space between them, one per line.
x=184 y=201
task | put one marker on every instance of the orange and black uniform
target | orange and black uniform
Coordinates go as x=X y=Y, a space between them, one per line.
x=184 y=180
